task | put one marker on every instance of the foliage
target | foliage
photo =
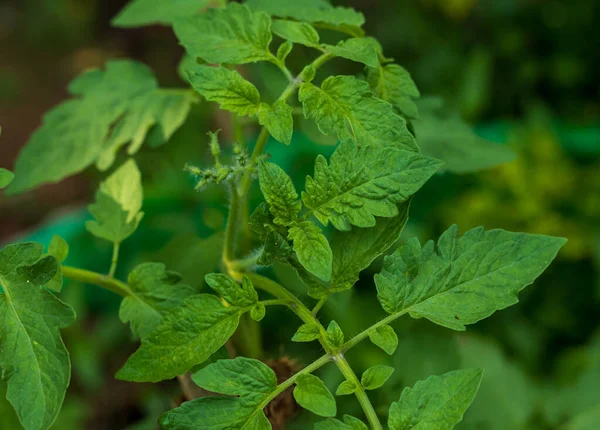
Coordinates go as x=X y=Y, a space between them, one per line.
x=351 y=212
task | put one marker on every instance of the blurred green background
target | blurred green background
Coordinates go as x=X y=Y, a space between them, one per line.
x=521 y=73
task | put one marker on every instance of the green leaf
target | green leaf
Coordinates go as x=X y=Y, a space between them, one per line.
x=346 y=107
x=345 y=388
x=350 y=423
x=355 y=250
x=234 y=35
x=154 y=293
x=6 y=177
x=284 y=50
x=394 y=84
x=279 y=192
x=312 y=394
x=362 y=182
x=374 y=377
x=465 y=279
x=335 y=336
x=278 y=120
x=258 y=312
x=385 y=337
x=174 y=347
x=139 y=13
x=118 y=204
x=59 y=249
x=306 y=333
x=312 y=249
x=226 y=87
x=238 y=295
x=316 y=11
x=296 y=32
x=113 y=107
x=458 y=146
x=437 y=403
x=359 y=49
x=35 y=363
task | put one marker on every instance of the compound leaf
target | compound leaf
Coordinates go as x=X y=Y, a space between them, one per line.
x=465 y=279
x=139 y=13
x=234 y=35
x=360 y=183
x=35 y=363
x=312 y=394
x=437 y=403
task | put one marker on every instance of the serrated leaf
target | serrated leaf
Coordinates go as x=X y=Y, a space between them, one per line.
x=59 y=249
x=312 y=394
x=359 y=49
x=139 y=13
x=242 y=296
x=186 y=337
x=306 y=333
x=278 y=119
x=335 y=336
x=385 y=337
x=226 y=87
x=345 y=106
x=279 y=192
x=114 y=107
x=350 y=423
x=362 y=182
x=312 y=249
x=35 y=363
x=296 y=32
x=234 y=35
x=6 y=177
x=437 y=403
x=355 y=250
x=394 y=84
x=118 y=203
x=345 y=388
x=276 y=248
x=465 y=279
x=154 y=293
x=374 y=377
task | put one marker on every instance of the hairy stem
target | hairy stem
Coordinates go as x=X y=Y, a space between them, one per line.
x=365 y=333
x=360 y=393
x=104 y=281
x=230 y=229
x=115 y=260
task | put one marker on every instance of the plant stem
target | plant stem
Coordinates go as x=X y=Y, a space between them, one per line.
x=230 y=229
x=115 y=260
x=318 y=306
x=88 y=277
x=360 y=393
x=365 y=333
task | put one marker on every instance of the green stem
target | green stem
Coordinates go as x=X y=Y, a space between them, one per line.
x=230 y=229
x=115 y=259
x=365 y=333
x=88 y=277
x=318 y=306
x=360 y=393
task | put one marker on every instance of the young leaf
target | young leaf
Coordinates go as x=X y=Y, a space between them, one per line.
x=118 y=205
x=437 y=403
x=59 y=249
x=465 y=279
x=173 y=348
x=362 y=182
x=296 y=32
x=345 y=106
x=114 y=107
x=374 y=377
x=393 y=84
x=234 y=35
x=345 y=388
x=355 y=250
x=279 y=192
x=226 y=87
x=6 y=177
x=359 y=49
x=312 y=249
x=278 y=120
x=154 y=293
x=385 y=337
x=306 y=333
x=258 y=312
x=284 y=50
x=139 y=13
x=35 y=363
x=312 y=394
x=238 y=295
x=350 y=423
x=335 y=336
